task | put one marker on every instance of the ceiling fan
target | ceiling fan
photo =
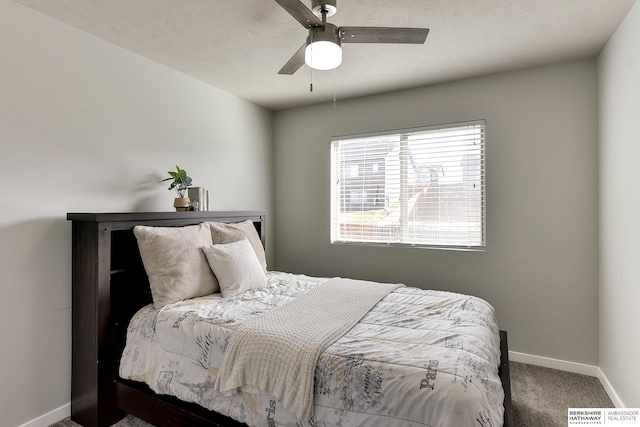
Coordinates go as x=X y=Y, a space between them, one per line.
x=322 y=50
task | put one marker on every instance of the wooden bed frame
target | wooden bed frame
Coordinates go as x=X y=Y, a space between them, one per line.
x=109 y=286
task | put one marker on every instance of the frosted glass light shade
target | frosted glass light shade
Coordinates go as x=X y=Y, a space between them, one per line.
x=323 y=55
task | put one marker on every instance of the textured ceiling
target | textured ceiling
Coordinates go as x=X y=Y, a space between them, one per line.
x=239 y=46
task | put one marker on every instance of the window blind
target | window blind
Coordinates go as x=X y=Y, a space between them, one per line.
x=419 y=187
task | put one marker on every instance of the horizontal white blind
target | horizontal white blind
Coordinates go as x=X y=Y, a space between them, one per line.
x=423 y=187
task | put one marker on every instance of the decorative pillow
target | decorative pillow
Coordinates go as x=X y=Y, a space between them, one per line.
x=228 y=233
x=176 y=266
x=236 y=266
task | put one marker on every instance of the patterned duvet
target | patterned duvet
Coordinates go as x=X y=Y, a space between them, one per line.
x=419 y=358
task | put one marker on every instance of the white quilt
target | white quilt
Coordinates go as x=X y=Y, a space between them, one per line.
x=278 y=351
x=418 y=358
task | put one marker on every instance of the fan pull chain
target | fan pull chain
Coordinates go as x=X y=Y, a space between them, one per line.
x=334 y=87
x=311 y=68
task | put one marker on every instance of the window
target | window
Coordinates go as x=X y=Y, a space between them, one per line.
x=415 y=187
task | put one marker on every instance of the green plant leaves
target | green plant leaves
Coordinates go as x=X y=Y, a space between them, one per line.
x=181 y=181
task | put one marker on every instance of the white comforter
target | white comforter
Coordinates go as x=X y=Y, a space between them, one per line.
x=419 y=358
x=277 y=352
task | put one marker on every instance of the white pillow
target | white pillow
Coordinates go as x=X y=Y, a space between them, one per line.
x=176 y=267
x=236 y=267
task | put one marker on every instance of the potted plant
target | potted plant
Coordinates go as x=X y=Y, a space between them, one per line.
x=180 y=183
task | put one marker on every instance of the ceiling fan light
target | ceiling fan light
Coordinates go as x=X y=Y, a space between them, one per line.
x=323 y=55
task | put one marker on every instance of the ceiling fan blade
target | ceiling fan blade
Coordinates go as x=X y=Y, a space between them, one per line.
x=383 y=35
x=296 y=61
x=301 y=13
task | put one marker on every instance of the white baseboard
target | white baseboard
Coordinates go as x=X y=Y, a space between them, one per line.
x=609 y=389
x=576 y=368
x=50 y=417
x=547 y=362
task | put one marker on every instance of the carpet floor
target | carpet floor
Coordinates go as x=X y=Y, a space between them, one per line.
x=541 y=397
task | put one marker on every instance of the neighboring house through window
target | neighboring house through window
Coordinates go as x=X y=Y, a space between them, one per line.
x=415 y=187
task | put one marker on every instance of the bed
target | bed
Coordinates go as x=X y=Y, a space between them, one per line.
x=110 y=287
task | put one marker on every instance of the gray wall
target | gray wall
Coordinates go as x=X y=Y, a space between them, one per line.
x=619 y=99
x=540 y=269
x=87 y=126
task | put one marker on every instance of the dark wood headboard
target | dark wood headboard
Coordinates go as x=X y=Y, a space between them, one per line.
x=109 y=286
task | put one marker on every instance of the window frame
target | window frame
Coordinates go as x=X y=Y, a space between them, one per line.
x=335 y=200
